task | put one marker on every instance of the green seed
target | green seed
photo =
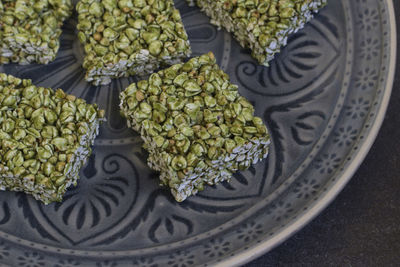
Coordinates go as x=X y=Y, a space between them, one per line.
x=178 y=163
x=212 y=153
x=48 y=168
x=214 y=131
x=60 y=180
x=186 y=130
x=155 y=47
x=250 y=129
x=145 y=108
x=181 y=79
x=192 y=86
x=60 y=143
x=229 y=145
x=110 y=34
x=19 y=134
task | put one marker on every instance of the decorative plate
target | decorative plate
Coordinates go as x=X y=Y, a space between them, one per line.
x=323 y=99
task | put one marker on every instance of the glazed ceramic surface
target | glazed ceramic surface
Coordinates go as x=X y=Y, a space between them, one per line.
x=323 y=99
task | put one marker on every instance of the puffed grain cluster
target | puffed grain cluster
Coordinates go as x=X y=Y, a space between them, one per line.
x=260 y=25
x=45 y=138
x=129 y=37
x=30 y=30
x=197 y=128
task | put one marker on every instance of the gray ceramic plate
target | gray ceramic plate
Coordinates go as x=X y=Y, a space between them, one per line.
x=323 y=98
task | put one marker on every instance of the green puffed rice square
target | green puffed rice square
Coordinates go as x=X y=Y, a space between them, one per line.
x=129 y=37
x=30 y=30
x=260 y=25
x=45 y=138
x=197 y=128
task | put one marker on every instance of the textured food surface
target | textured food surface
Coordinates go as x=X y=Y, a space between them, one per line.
x=30 y=29
x=45 y=138
x=129 y=37
x=261 y=25
x=197 y=128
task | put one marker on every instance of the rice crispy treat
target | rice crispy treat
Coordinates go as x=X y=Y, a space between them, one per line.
x=197 y=128
x=129 y=37
x=260 y=25
x=30 y=30
x=45 y=138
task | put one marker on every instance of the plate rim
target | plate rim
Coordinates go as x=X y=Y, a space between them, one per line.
x=298 y=224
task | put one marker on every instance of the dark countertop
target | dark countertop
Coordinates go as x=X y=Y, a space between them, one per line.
x=362 y=226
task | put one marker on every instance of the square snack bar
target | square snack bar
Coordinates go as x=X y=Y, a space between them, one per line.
x=45 y=138
x=261 y=25
x=30 y=29
x=129 y=37
x=197 y=128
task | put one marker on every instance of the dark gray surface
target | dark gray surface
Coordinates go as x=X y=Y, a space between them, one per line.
x=362 y=226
